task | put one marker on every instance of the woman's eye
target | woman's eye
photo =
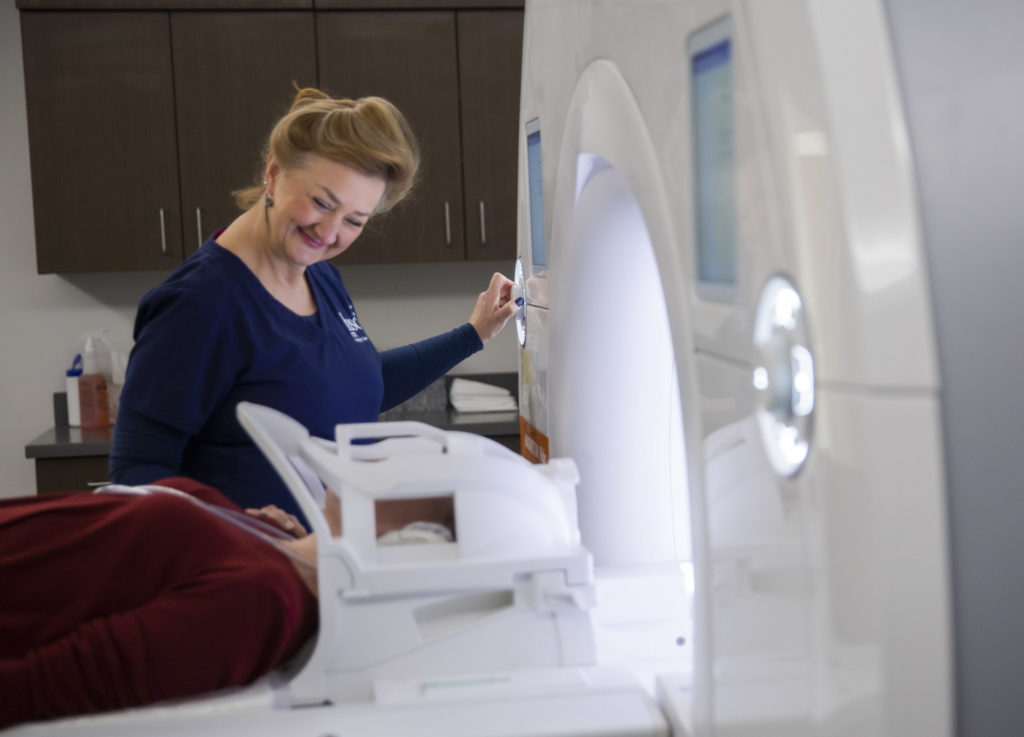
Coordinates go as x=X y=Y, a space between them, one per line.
x=320 y=203
x=355 y=223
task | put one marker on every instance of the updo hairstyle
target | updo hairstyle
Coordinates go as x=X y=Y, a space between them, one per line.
x=369 y=134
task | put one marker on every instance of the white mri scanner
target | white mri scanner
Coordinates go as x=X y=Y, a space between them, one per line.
x=731 y=329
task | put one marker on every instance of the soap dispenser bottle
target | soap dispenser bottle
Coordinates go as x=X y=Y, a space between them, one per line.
x=92 y=390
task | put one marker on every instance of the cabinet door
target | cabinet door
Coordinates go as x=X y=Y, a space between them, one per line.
x=490 y=59
x=409 y=58
x=104 y=159
x=71 y=474
x=233 y=75
x=163 y=4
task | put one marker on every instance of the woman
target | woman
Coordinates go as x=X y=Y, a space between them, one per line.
x=257 y=314
x=116 y=600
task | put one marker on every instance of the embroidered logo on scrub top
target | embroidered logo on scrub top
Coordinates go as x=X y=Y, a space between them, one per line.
x=354 y=328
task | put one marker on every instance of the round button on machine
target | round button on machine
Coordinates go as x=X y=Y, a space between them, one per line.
x=784 y=375
x=519 y=295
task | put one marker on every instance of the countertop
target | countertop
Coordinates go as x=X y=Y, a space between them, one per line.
x=61 y=441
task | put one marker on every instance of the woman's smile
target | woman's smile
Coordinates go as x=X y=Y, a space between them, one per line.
x=311 y=240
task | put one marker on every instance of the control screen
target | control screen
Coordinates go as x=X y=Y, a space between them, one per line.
x=538 y=246
x=713 y=156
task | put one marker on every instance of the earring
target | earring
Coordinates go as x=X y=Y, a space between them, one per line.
x=268 y=201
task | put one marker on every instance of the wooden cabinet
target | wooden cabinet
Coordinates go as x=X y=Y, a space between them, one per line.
x=233 y=76
x=490 y=61
x=100 y=98
x=69 y=458
x=409 y=58
x=71 y=474
x=163 y=4
x=400 y=4
x=142 y=123
x=455 y=75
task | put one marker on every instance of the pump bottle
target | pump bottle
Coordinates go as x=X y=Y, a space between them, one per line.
x=92 y=391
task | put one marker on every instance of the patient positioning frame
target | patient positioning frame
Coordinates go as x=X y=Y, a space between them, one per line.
x=512 y=592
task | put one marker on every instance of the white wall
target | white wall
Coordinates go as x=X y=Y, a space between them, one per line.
x=41 y=316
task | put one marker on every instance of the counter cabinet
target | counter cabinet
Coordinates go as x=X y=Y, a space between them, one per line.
x=75 y=459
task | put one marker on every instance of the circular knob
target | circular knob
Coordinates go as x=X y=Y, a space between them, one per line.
x=784 y=375
x=519 y=295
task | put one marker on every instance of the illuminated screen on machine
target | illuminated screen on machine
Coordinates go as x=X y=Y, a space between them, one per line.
x=535 y=173
x=711 y=69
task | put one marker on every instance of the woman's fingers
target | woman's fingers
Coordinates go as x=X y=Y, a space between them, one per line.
x=493 y=307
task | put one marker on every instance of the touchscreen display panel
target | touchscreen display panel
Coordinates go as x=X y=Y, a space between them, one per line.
x=714 y=157
x=535 y=173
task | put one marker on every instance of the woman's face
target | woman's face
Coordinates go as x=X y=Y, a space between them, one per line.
x=319 y=209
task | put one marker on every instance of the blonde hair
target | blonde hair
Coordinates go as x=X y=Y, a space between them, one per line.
x=369 y=134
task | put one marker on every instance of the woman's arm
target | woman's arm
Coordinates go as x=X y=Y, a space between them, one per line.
x=412 y=368
x=144 y=450
x=180 y=369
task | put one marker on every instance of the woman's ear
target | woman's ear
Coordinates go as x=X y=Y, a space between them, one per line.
x=270 y=174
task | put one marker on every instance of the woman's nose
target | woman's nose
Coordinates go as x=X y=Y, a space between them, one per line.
x=327 y=230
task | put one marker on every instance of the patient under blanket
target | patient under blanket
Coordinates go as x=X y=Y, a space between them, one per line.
x=113 y=600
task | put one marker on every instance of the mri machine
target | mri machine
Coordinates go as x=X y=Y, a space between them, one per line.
x=745 y=516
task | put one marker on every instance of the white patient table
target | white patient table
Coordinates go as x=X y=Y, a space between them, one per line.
x=490 y=634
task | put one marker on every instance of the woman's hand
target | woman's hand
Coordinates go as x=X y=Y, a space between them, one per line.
x=493 y=308
x=287 y=522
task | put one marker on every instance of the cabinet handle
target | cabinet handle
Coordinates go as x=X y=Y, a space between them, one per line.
x=199 y=228
x=483 y=224
x=163 y=234
x=447 y=224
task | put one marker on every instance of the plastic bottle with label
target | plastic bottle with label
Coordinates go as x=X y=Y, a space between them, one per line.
x=93 y=398
x=71 y=385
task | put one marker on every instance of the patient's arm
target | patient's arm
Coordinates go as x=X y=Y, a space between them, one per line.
x=133 y=614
